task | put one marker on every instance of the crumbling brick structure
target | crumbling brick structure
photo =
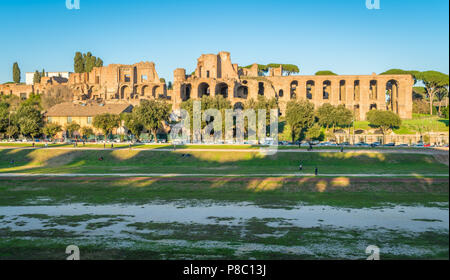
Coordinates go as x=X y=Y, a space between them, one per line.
x=217 y=75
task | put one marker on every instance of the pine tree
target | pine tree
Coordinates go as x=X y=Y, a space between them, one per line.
x=16 y=73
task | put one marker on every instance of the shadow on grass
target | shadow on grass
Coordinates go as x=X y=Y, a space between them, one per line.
x=125 y=161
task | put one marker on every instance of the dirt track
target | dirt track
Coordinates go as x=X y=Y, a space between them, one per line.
x=238 y=179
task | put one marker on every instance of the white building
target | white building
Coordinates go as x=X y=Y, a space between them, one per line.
x=29 y=76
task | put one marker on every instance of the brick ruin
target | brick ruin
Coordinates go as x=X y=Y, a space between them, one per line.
x=217 y=75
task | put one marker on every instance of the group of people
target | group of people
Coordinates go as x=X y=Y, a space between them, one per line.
x=300 y=168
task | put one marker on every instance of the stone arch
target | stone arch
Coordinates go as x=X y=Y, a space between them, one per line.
x=222 y=89
x=373 y=90
x=392 y=95
x=125 y=92
x=326 y=92
x=357 y=90
x=242 y=92
x=156 y=92
x=310 y=87
x=238 y=106
x=342 y=90
x=203 y=89
x=145 y=91
x=293 y=87
x=186 y=92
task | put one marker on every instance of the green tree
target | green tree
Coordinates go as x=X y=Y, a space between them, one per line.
x=314 y=133
x=326 y=115
x=86 y=132
x=152 y=114
x=78 y=63
x=89 y=62
x=106 y=123
x=43 y=73
x=71 y=128
x=413 y=73
x=98 y=62
x=133 y=124
x=4 y=116
x=385 y=120
x=343 y=116
x=52 y=129
x=36 y=77
x=29 y=120
x=441 y=94
x=299 y=117
x=288 y=69
x=434 y=81
x=325 y=73
x=16 y=73
x=12 y=131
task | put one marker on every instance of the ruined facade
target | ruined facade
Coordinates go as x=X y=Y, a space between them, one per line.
x=216 y=75
x=119 y=83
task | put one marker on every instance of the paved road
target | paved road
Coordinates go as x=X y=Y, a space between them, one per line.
x=316 y=150
x=172 y=175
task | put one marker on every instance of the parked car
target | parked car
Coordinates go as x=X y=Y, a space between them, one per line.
x=389 y=145
x=362 y=144
x=403 y=145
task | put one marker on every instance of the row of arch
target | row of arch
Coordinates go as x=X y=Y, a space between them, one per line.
x=241 y=90
x=128 y=92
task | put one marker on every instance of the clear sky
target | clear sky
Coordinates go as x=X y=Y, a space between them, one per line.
x=340 y=35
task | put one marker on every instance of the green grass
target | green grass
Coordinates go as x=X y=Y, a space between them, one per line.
x=418 y=124
x=50 y=242
x=135 y=162
x=358 y=192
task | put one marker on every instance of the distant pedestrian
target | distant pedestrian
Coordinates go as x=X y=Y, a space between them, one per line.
x=112 y=146
x=12 y=162
x=129 y=145
x=342 y=149
x=316 y=171
x=84 y=143
x=300 y=167
x=33 y=145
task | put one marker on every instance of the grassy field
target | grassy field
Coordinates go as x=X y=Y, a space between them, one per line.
x=223 y=236
x=214 y=162
x=245 y=217
x=418 y=124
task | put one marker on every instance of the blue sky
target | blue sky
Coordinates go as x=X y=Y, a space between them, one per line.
x=342 y=36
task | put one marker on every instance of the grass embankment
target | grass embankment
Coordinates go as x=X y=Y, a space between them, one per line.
x=418 y=124
x=215 y=163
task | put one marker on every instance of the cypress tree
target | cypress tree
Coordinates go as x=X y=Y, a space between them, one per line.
x=16 y=73
x=78 y=61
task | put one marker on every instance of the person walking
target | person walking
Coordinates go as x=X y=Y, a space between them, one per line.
x=316 y=171
x=300 y=167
